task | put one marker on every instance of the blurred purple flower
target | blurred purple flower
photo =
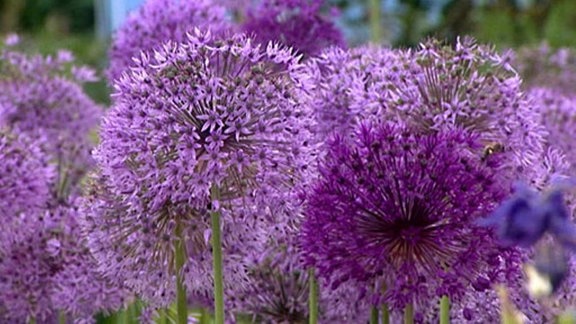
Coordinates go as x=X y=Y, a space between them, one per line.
x=398 y=209
x=42 y=96
x=295 y=23
x=526 y=216
x=159 y=21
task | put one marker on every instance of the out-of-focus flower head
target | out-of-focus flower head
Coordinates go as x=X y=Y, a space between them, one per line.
x=159 y=21
x=398 y=209
x=544 y=66
x=295 y=23
x=558 y=116
x=25 y=184
x=42 y=97
x=278 y=291
x=526 y=216
x=202 y=114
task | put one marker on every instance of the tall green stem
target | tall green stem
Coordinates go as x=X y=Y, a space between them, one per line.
x=374 y=315
x=444 y=310
x=217 y=257
x=313 y=297
x=374 y=17
x=179 y=259
x=385 y=314
x=62 y=317
x=409 y=314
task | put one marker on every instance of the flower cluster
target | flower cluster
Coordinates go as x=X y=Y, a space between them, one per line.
x=295 y=23
x=393 y=209
x=158 y=21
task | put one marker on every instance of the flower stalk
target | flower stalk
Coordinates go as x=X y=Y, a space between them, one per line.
x=179 y=259
x=217 y=258
x=444 y=310
x=409 y=314
x=313 y=298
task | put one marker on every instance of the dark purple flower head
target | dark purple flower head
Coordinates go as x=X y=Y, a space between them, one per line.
x=42 y=97
x=295 y=23
x=157 y=22
x=397 y=209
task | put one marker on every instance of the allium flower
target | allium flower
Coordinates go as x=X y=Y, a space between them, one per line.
x=43 y=98
x=467 y=86
x=278 y=292
x=200 y=115
x=558 y=116
x=543 y=66
x=295 y=23
x=158 y=21
x=78 y=289
x=395 y=212
x=25 y=184
x=337 y=76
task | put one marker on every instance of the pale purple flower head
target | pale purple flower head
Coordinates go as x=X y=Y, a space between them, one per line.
x=544 y=66
x=25 y=184
x=466 y=86
x=558 y=116
x=42 y=96
x=395 y=213
x=201 y=114
x=278 y=290
x=337 y=77
x=295 y=23
x=159 y=21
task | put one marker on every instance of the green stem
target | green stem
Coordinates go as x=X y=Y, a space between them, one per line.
x=374 y=17
x=62 y=317
x=373 y=315
x=385 y=314
x=179 y=259
x=204 y=316
x=217 y=258
x=313 y=298
x=444 y=310
x=409 y=314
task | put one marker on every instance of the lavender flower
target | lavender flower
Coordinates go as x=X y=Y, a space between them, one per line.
x=25 y=184
x=158 y=21
x=43 y=98
x=279 y=288
x=201 y=114
x=339 y=78
x=466 y=86
x=295 y=23
x=396 y=210
x=543 y=66
x=558 y=116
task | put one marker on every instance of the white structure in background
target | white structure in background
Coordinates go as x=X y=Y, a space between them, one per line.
x=110 y=14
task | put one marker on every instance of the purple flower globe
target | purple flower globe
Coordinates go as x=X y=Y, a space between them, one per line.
x=199 y=115
x=295 y=23
x=42 y=96
x=395 y=212
x=158 y=21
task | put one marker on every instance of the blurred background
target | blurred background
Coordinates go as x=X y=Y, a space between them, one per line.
x=85 y=26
